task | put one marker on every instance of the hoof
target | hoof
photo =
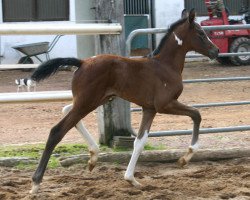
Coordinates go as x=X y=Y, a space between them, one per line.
x=133 y=182
x=93 y=160
x=34 y=189
x=182 y=162
x=91 y=166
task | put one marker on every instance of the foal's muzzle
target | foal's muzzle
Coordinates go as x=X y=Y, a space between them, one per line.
x=213 y=53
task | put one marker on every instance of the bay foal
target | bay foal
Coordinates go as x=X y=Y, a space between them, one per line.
x=154 y=83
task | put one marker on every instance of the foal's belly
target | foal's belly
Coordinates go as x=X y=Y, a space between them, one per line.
x=152 y=96
x=137 y=95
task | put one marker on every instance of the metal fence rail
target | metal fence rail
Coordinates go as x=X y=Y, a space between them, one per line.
x=28 y=97
x=60 y=29
x=208 y=105
x=202 y=131
x=209 y=80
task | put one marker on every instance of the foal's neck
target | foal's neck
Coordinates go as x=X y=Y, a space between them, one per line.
x=173 y=55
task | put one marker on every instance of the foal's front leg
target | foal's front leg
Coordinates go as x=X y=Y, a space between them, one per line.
x=139 y=143
x=177 y=108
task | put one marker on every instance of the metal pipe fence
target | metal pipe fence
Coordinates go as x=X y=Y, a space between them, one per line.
x=202 y=131
x=164 y=30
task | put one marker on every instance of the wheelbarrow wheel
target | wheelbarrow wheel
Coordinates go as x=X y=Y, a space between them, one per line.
x=25 y=60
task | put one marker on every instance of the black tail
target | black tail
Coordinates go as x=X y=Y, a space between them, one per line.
x=50 y=67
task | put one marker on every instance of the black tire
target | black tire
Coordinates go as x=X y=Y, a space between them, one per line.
x=224 y=60
x=25 y=60
x=241 y=44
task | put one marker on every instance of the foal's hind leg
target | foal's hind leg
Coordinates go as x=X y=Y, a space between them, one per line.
x=177 y=108
x=140 y=141
x=55 y=136
x=93 y=147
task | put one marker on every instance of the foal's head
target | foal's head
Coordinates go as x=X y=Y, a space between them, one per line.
x=193 y=37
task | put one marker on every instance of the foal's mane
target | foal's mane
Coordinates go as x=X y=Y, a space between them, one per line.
x=164 y=39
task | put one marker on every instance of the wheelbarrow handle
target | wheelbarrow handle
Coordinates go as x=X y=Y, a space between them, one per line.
x=53 y=43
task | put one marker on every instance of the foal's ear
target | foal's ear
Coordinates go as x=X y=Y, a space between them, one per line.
x=191 y=16
x=184 y=13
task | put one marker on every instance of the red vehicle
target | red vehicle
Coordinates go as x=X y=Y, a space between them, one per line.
x=228 y=41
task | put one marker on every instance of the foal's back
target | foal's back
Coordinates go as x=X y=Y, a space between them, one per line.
x=136 y=80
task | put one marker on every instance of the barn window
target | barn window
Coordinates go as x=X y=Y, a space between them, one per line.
x=136 y=7
x=35 y=10
x=232 y=5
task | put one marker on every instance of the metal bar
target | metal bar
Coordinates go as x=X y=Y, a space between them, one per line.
x=226 y=27
x=237 y=103
x=27 y=97
x=17 y=66
x=60 y=29
x=220 y=55
x=202 y=131
x=209 y=80
x=197 y=55
x=207 y=105
x=234 y=54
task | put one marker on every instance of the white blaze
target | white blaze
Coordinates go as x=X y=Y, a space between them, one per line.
x=179 y=41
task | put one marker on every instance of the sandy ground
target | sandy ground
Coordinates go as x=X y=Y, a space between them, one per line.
x=204 y=180
x=30 y=123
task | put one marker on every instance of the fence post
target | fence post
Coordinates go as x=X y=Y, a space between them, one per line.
x=114 y=118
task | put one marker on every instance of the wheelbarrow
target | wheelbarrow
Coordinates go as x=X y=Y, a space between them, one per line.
x=35 y=49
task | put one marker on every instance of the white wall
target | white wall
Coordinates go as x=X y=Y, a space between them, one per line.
x=66 y=46
x=166 y=12
x=84 y=13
